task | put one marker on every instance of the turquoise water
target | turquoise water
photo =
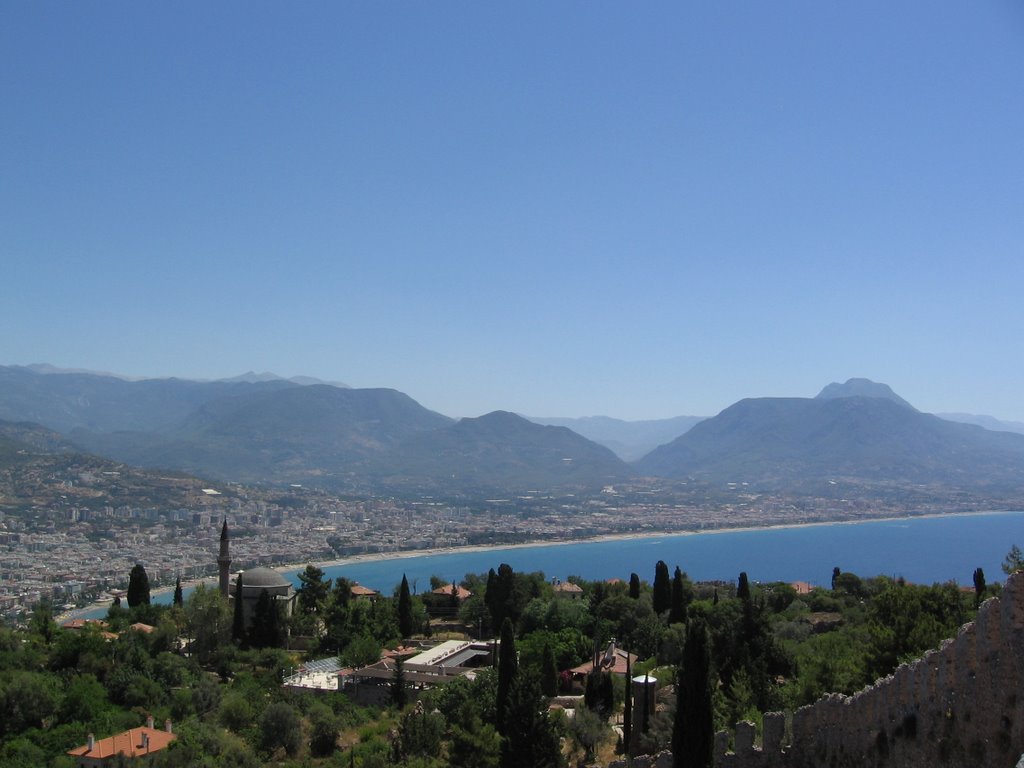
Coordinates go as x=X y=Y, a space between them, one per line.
x=922 y=550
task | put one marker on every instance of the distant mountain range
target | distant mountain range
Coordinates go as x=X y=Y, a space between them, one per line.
x=841 y=436
x=988 y=422
x=853 y=437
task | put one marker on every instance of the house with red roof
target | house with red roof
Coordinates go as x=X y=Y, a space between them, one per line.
x=132 y=744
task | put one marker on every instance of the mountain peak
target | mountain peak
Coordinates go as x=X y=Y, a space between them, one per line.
x=859 y=387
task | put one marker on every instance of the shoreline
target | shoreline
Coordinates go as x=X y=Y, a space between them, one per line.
x=405 y=554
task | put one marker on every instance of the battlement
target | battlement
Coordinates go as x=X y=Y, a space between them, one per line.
x=961 y=704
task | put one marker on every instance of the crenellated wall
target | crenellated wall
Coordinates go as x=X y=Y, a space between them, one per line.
x=960 y=705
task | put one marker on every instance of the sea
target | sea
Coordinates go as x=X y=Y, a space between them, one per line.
x=922 y=550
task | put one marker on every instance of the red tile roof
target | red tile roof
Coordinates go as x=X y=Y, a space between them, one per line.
x=135 y=742
x=616 y=667
x=461 y=593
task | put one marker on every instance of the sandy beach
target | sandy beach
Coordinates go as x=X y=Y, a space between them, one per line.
x=298 y=565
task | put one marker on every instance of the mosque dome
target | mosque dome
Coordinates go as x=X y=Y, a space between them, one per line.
x=263 y=578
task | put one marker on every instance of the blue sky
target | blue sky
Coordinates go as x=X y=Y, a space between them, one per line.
x=561 y=209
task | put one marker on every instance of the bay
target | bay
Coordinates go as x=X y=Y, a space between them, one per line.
x=922 y=550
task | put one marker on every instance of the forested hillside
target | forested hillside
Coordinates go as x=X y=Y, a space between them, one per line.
x=766 y=647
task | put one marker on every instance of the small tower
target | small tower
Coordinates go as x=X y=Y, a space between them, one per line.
x=224 y=561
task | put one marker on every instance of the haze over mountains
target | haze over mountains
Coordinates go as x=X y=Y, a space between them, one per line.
x=266 y=429
x=630 y=440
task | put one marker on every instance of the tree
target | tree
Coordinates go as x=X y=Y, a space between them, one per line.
x=548 y=672
x=399 y=692
x=363 y=650
x=266 y=629
x=405 y=622
x=337 y=625
x=835 y=576
x=238 y=617
x=178 y=597
x=505 y=595
x=530 y=735
x=324 y=730
x=508 y=665
x=1014 y=561
x=281 y=728
x=491 y=599
x=662 y=597
x=138 y=586
x=743 y=588
x=634 y=586
x=473 y=744
x=693 y=729
x=590 y=730
x=207 y=623
x=313 y=590
x=979 y=586
x=42 y=622
x=682 y=596
x=420 y=735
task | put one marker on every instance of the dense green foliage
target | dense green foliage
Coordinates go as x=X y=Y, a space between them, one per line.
x=739 y=651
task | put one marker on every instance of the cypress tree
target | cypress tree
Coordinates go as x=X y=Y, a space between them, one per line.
x=238 y=616
x=634 y=586
x=506 y=602
x=405 y=623
x=591 y=693
x=743 y=588
x=138 y=586
x=491 y=599
x=835 y=576
x=399 y=694
x=677 y=611
x=606 y=695
x=979 y=586
x=662 y=597
x=266 y=622
x=178 y=597
x=508 y=666
x=693 y=729
x=549 y=672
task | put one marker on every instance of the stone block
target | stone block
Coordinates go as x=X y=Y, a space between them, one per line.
x=745 y=734
x=774 y=725
x=721 y=746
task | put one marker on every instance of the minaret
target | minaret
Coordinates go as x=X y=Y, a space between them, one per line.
x=224 y=561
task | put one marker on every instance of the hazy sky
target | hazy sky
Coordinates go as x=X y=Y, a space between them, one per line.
x=561 y=209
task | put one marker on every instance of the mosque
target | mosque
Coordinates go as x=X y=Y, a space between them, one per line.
x=254 y=582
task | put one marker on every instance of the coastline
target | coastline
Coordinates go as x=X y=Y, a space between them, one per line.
x=410 y=553
x=404 y=554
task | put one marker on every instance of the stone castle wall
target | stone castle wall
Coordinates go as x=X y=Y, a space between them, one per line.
x=959 y=705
